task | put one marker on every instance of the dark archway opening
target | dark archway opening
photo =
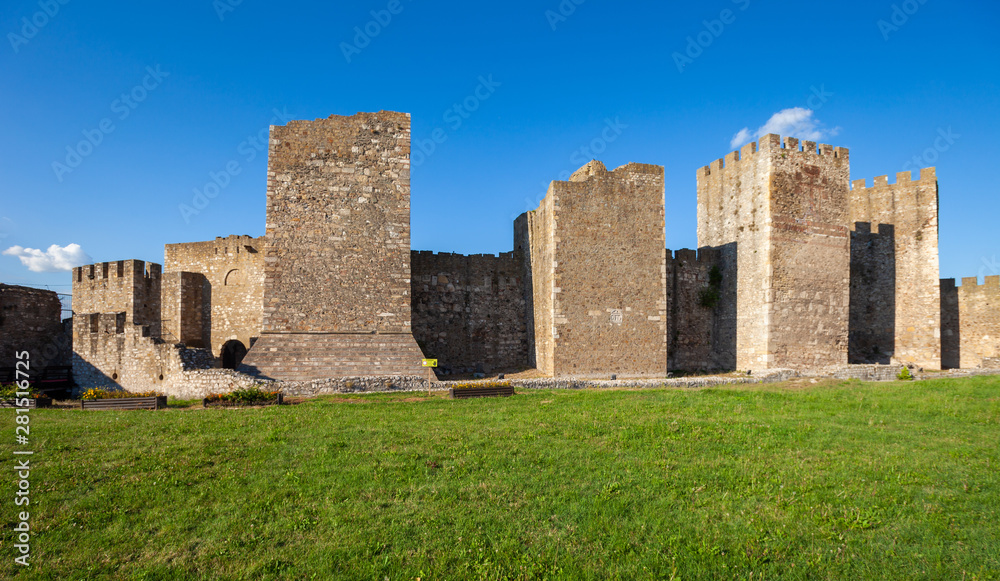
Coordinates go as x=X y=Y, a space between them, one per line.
x=233 y=353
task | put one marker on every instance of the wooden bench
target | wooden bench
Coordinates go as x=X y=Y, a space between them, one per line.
x=125 y=403
x=470 y=392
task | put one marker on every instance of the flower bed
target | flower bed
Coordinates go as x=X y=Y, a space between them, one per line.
x=103 y=399
x=251 y=396
x=481 y=389
x=10 y=399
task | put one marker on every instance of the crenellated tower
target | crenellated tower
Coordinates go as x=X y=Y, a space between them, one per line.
x=895 y=289
x=781 y=209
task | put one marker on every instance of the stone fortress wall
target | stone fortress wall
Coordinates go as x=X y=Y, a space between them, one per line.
x=970 y=317
x=220 y=292
x=784 y=209
x=31 y=320
x=895 y=234
x=795 y=269
x=469 y=311
x=337 y=250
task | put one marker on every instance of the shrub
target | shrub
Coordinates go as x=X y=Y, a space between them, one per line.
x=10 y=390
x=905 y=375
x=249 y=395
x=102 y=393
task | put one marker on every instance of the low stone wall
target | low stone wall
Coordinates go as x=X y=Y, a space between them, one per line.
x=772 y=376
x=355 y=385
x=869 y=372
x=201 y=383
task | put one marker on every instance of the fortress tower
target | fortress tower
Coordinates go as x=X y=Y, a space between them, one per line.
x=337 y=250
x=895 y=288
x=780 y=212
x=596 y=251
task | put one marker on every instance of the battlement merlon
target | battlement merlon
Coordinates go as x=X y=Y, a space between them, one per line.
x=131 y=268
x=773 y=142
x=926 y=175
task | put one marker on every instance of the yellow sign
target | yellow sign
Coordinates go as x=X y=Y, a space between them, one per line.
x=430 y=363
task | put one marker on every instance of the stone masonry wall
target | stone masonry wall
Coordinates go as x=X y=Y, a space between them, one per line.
x=469 y=311
x=182 y=308
x=30 y=321
x=337 y=250
x=701 y=336
x=126 y=286
x=873 y=294
x=232 y=303
x=785 y=208
x=601 y=258
x=111 y=353
x=338 y=225
x=911 y=207
x=971 y=316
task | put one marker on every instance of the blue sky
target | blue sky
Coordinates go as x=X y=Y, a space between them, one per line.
x=169 y=97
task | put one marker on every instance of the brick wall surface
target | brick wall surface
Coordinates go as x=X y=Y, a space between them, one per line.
x=469 y=311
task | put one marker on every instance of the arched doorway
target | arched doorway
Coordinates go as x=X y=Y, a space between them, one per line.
x=232 y=354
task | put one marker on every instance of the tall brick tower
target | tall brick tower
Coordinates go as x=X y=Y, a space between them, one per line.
x=786 y=210
x=337 y=250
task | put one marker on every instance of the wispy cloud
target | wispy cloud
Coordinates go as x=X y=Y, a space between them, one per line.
x=55 y=259
x=795 y=122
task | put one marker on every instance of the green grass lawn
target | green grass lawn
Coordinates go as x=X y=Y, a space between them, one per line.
x=839 y=480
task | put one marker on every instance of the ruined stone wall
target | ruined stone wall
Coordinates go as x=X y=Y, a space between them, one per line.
x=30 y=321
x=111 y=353
x=911 y=207
x=785 y=208
x=601 y=258
x=701 y=311
x=971 y=319
x=469 y=311
x=183 y=309
x=338 y=225
x=128 y=286
x=232 y=295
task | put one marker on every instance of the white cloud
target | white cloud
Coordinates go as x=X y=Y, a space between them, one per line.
x=794 y=122
x=55 y=259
